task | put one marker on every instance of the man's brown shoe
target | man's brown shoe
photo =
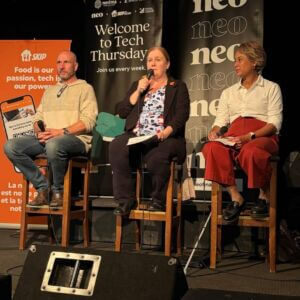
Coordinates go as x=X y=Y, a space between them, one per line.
x=57 y=199
x=40 y=199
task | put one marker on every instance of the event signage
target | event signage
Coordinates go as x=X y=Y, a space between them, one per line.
x=208 y=36
x=118 y=35
x=28 y=67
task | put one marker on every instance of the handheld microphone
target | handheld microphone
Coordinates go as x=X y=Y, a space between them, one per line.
x=41 y=125
x=150 y=73
x=222 y=131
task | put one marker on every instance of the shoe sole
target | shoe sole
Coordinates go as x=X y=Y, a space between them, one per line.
x=156 y=210
x=259 y=216
x=37 y=207
x=122 y=214
x=55 y=207
x=134 y=206
x=230 y=222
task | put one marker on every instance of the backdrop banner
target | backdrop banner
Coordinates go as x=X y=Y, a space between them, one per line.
x=208 y=35
x=118 y=34
x=28 y=67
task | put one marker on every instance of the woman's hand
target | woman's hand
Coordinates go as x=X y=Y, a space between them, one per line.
x=240 y=140
x=162 y=135
x=143 y=84
x=141 y=87
x=213 y=134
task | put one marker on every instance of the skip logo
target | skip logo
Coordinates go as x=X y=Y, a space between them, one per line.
x=27 y=56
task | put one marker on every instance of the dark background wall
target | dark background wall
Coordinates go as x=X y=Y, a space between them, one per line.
x=65 y=19
x=54 y=19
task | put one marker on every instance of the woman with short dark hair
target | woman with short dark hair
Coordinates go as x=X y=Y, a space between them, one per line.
x=252 y=109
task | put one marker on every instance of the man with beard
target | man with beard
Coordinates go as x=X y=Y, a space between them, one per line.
x=62 y=125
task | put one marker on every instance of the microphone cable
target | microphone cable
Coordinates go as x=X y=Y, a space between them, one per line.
x=142 y=94
x=61 y=90
x=50 y=215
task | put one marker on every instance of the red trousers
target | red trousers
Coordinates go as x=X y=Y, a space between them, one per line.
x=253 y=157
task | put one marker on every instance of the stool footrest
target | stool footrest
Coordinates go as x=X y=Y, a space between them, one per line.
x=71 y=208
x=141 y=213
x=244 y=220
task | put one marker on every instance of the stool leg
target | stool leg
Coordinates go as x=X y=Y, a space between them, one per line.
x=118 y=233
x=86 y=236
x=219 y=226
x=137 y=235
x=168 y=237
x=213 y=231
x=50 y=230
x=23 y=225
x=169 y=216
x=219 y=242
x=272 y=248
x=179 y=208
x=272 y=218
x=214 y=228
x=65 y=230
x=85 y=225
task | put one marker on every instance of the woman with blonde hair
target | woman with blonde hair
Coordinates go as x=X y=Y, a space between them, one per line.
x=155 y=105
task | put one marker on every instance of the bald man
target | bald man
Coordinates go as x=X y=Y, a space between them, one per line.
x=68 y=112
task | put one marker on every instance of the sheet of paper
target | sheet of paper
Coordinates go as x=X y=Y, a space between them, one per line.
x=225 y=141
x=139 y=139
x=107 y=138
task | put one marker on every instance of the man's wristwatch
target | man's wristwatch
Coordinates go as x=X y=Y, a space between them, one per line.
x=66 y=131
x=252 y=135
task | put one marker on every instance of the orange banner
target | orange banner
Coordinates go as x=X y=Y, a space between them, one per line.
x=28 y=67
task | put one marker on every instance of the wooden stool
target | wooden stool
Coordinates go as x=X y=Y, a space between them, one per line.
x=66 y=211
x=244 y=220
x=170 y=220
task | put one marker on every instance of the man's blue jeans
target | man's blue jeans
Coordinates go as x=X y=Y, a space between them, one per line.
x=21 y=152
